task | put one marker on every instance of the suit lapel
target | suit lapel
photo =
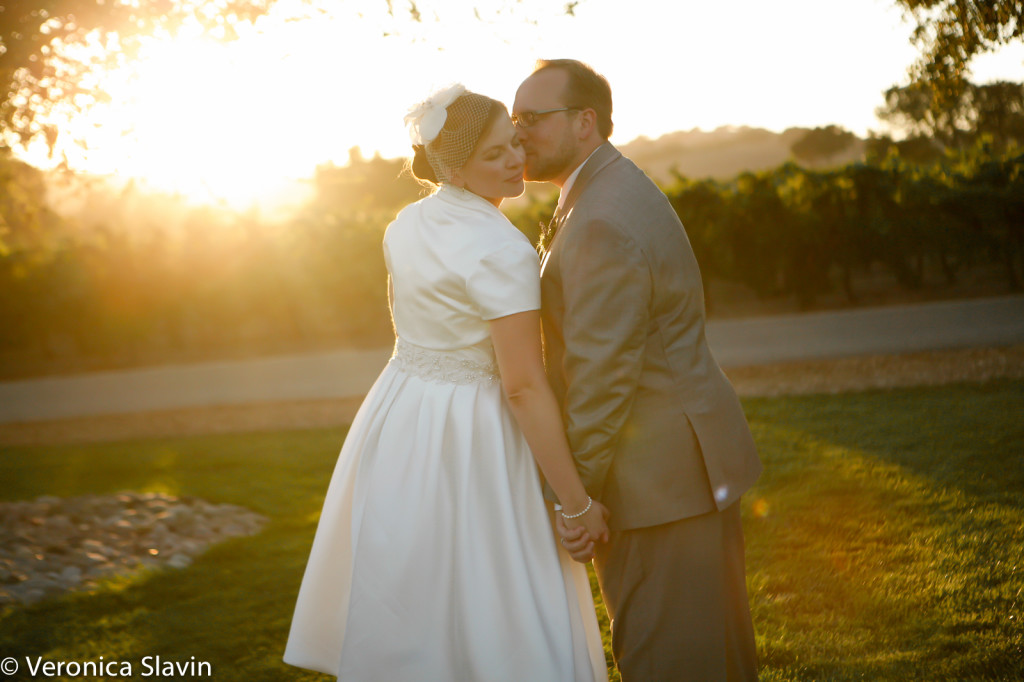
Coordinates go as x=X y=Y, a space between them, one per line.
x=601 y=157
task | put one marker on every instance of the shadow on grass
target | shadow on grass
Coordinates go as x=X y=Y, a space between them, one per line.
x=885 y=537
x=965 y=436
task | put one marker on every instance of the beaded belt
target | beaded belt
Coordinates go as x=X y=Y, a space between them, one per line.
x=443 y=366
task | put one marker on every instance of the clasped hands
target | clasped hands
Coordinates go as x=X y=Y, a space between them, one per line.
x=579 y=535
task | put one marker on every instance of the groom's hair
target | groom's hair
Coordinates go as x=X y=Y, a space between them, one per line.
x=587 y=89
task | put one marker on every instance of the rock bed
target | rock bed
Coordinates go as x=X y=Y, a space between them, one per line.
x=51 y=545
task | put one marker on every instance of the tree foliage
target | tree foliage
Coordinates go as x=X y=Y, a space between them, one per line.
x=52 y=50
x=40 y=67
x=915 y=109
x=367 y=185
x=25 y=216
x=798 y=232
x=995 y=110
x=914 y=149
x=999 y=112
x=951 y=32
x=151 y=279
x=822 y=144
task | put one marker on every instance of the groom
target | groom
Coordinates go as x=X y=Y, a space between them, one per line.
x=657 y=431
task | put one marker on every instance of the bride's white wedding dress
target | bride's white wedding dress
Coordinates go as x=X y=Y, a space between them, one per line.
x=435 y=557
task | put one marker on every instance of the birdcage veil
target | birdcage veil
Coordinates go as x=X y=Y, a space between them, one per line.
x=448 y=125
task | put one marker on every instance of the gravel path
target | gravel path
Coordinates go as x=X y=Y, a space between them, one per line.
x=788 y=378
x=346 y=373
x=860 y=373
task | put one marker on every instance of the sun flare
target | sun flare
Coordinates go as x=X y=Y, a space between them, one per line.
x=240 y=122
x=246 y=122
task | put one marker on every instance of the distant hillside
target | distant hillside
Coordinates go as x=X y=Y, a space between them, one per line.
x=722 y=153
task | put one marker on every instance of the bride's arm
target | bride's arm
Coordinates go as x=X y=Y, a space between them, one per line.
x=517 y=348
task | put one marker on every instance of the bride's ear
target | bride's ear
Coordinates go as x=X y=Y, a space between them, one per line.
x=458 y=180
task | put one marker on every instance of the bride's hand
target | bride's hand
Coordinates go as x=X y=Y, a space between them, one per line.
x=593 y=522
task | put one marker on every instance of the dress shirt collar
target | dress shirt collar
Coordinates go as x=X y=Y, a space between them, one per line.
x=567 y=187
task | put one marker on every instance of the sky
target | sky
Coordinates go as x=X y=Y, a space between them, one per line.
x=298 y=89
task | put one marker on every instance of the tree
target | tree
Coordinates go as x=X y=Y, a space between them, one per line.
x=998 y=110
x=373 y=185
x=951 y=32
x=822 y=144
x=810 y=234
x=994 y=109
x=25 y=217
x=50 y=50
x=41 y=67
x=915 y=149
x=752 y=229
x=700 y=205
x=915 y=109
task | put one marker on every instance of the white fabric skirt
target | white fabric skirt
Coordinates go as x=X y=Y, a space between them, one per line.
x=435 y=556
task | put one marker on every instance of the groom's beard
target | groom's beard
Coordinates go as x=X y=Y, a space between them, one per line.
x=542 y=168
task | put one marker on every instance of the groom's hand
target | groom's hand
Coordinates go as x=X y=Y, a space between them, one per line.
x=576 y=541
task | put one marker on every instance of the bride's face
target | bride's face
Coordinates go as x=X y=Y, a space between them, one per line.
x=495 y=169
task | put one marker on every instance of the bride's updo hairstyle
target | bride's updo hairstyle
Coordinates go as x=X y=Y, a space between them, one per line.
x=445 y=129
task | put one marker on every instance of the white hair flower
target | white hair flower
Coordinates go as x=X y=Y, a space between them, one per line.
x=426 y=119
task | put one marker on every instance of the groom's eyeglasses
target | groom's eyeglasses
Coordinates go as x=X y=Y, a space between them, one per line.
x=528 y=119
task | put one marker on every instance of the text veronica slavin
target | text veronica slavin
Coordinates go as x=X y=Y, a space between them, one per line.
x=150 y=666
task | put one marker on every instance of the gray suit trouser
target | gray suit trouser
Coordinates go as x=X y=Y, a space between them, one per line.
x=677 y=596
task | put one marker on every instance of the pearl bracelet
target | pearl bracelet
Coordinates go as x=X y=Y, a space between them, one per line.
x=590 y=503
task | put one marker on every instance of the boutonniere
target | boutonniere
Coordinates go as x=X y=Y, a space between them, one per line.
x=547 y=233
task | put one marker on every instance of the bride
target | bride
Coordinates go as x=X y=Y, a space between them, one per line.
x=434 y=558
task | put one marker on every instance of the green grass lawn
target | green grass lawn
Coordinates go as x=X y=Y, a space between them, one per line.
x=885 y=541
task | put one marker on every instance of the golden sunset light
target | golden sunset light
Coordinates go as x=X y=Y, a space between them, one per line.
x=245 y=120
x=738 y=283
x=242 y=121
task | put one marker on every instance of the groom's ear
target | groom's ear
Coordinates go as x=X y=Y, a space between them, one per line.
x=587 y=123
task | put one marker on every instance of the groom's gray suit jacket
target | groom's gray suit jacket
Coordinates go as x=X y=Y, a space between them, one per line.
x=656 y=428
